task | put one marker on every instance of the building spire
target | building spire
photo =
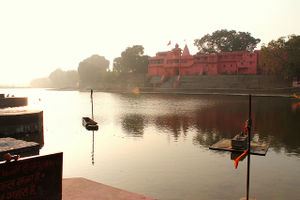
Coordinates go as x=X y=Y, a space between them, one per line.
x=186 y=51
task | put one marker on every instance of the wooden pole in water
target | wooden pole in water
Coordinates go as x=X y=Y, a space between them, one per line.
x=92 y=104
x=249 y=148
x=93 y=147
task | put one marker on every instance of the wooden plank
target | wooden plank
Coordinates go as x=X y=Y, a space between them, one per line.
x=256 y=148
x=32 y=178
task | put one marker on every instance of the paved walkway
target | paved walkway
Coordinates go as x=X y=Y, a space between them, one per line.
x=81 y=188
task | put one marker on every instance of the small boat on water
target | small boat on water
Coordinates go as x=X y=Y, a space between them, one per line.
x=89 y=124
x=12 y=101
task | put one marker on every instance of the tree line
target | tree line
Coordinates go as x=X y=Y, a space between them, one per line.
x=280 y=56
x=94 y=70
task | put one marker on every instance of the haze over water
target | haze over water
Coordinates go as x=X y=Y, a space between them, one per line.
x=157 y=144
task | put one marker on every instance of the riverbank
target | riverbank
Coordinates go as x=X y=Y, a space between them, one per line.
x=276 y=92
x=257 y=85
x=272 y=92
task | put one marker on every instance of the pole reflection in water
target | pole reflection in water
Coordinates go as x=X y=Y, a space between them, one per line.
x=93 y=149
x=235 y=155
x=295 y=106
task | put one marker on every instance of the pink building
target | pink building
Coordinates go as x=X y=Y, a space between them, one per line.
x=178 y=62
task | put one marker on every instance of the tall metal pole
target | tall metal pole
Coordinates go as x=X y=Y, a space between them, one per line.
x=249 y=148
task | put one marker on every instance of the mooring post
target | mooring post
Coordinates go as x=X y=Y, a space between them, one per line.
x=92 y=104
x=249 y=148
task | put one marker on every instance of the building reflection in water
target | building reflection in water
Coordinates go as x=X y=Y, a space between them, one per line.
x=276 y=123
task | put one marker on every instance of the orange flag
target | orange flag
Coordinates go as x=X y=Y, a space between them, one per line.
x=169 y=43
x=236 y=162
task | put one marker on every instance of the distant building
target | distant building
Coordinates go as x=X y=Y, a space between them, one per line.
x=178 y=62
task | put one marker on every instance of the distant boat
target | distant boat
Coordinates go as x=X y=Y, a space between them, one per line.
x=89 y=124
x=12 y=101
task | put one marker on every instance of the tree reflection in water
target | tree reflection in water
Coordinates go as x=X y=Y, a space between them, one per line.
x=275 y=123
x=173 y=123
x=133 y=124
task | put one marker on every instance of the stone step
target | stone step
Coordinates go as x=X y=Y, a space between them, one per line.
x=81 y=188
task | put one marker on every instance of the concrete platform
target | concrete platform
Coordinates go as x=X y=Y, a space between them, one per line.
x=81 y=189
x=256 y=148
x=23 y=125
x=19 y=147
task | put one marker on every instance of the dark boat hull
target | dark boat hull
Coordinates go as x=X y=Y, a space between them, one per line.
x=89 y=124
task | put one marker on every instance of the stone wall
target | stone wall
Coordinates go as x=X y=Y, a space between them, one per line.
x=233 y=82
x=229 y=84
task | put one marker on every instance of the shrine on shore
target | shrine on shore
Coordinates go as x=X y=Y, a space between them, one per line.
x=180 y=62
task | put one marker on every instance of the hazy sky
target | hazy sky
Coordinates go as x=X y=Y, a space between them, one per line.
x=38 y=36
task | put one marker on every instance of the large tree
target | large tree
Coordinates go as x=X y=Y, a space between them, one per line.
x=282 y=56
x=40 y=83
x=91 y=69
x=132 y=60
x=226 y=41
x=62 y=79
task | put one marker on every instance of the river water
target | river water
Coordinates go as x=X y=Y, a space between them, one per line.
x=158 y=144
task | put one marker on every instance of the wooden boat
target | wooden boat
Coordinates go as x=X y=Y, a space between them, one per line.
x=89 y=124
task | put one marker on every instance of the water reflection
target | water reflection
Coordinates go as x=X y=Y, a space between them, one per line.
x=93 y=148
x=210 y=124
x=173 y=123
x=234 y=156
x=133 y=124
x=181 y=167
x=276 y=123
x=296 y=106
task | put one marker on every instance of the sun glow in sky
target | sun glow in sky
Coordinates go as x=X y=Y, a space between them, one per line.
x=39 y=36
